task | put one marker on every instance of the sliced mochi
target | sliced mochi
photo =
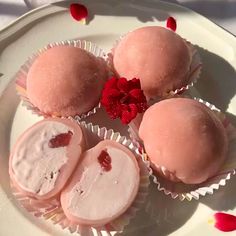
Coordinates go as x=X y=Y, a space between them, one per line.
x=103 y=186
x=45 y=156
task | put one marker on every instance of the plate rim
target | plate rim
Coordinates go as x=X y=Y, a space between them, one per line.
x=47 y=9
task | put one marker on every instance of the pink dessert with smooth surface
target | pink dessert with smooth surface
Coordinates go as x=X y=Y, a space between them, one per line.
x=45 y=156
x=103 y=186
x=160 y=58
x=185 y=137
x=61 y=80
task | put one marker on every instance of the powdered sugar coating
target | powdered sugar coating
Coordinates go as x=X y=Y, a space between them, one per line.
x=185 y=137
x=61 y=79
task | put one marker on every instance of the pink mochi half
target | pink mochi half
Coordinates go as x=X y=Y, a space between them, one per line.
x=103 y=186
x=44 y=157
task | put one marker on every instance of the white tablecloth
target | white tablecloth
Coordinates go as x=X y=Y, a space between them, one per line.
x=222 y=12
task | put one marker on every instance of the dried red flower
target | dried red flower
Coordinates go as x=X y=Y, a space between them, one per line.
x=78 y=11
x=171 y=23
x=123 y=99
x=224 y=222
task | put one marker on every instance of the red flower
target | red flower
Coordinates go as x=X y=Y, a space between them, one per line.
x=78 y=11
x=123 y=99
x=171 y=23
x=224 y=222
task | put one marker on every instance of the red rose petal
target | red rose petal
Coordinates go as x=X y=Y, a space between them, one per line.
x=78 y=11
x=105 y=101
x=138 y=95
x=111 y=83
x=135 y=83
x=171 y=23
x=125 y=117
x=142 y=107
x=113 y=93
x=225 y=222
x=114 y=110
x=129 y=112
x=133 y=110
x=123 y=85
x=139 y=99
x=60 y=140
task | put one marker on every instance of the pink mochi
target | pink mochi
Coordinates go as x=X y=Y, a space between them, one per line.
x=66 y=81
x=185 y=137
x=157 y=56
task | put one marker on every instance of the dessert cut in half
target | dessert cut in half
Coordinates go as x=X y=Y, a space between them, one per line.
x=44 y=157
x=103 y=186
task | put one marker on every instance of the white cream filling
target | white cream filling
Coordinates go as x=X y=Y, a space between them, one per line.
x=35 y=165
x=100 y=194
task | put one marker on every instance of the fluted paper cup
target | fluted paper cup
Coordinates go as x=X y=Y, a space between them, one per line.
x=21 y=76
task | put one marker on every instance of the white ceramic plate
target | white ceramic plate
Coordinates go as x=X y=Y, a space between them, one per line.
x=109 y=20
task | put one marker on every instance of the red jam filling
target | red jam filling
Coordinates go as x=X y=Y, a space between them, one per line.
x=60 y=140
x=105 y=161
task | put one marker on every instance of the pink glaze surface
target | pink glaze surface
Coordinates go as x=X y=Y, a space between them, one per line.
x=185 y=137
x=157 y=56
x=61 y=80
x=39 y=170
x=95 y=196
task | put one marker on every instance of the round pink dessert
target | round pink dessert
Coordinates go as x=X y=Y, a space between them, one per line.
x=103 y=186
x=157 y=56
x=61 y=80
x=45 y=156
x=186 y=138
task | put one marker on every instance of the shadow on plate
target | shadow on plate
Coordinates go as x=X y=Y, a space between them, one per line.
x=12 y=9
x=218 y=8
x=223 y=199
x=232 y=118
x=217 y=84
x=101 y=119
x=161 y=216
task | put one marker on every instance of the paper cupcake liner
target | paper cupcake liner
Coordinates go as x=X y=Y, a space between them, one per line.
x=21 y=76
x=52 y=210
x=36 y=207
x=133 y=128
x=193 y=74
x=188 y=192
